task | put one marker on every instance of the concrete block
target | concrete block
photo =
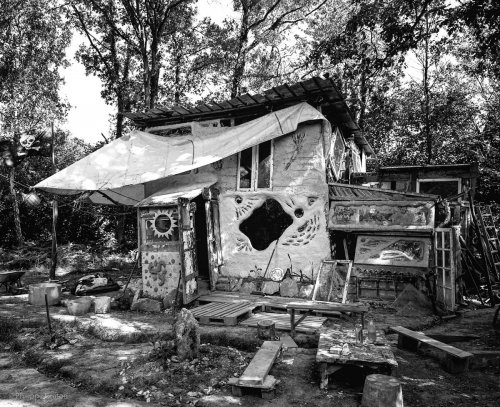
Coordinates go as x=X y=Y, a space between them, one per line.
x=147 y=305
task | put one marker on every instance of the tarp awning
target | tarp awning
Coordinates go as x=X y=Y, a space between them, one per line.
x=169 y=196
x=125 y=164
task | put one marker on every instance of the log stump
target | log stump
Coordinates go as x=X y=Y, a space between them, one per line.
x=382 y=391
x=266 y=330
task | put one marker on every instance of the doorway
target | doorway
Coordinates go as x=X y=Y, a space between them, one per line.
x=200 y=227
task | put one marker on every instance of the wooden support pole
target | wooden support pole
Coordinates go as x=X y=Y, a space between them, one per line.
x=55 y=212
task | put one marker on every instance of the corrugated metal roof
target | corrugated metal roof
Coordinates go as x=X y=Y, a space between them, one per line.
x=346 y=192
x=316 y=90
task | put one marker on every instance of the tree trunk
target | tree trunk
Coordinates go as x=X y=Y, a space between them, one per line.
x=363 y=92
x=155 y=73
x=428 y=139
x=15 y=207
x=239 y=67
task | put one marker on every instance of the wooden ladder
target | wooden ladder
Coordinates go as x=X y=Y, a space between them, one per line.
x=489 y=237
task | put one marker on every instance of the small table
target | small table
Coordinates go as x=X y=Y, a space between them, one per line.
x=311 y=306
x=377 y=356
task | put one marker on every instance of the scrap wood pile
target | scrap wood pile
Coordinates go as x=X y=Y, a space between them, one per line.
x=481 y=258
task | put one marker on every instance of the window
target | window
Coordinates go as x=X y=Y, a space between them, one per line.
x=255 y=167
x=445 y=187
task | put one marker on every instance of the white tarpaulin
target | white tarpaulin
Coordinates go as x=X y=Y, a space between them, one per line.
x=120 y=168
x=170 y=195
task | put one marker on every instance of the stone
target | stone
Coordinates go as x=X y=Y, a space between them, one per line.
x=172 y=299
x=135 y=284
x=270 y=287
x=146 y=305
x=137 y=296
x=235 y=283
x=187 y=335
x=289 y=288
x=248 y=287
x=306 y=291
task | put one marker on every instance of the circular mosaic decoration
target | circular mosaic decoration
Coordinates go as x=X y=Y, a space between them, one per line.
x=277 y=274
x=163 y=223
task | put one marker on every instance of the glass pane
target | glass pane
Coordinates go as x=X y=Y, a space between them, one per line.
x=443 y=188
x=439 y=258
x=439 y=239
x=264 y=172
x=246 y=168
x=447 y=240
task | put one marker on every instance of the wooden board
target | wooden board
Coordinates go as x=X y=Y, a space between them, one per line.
x=309 y=325
x=222 y=313
x=328 y=306
x=420 y=337
x=259 y=367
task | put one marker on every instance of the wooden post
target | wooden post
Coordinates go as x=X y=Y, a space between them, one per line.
x=55 y=212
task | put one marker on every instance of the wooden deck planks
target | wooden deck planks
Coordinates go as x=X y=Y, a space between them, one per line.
x=222 y=313
x=282 y=322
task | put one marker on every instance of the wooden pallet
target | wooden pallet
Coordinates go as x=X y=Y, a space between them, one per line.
x=309 y=325
x=220 y=313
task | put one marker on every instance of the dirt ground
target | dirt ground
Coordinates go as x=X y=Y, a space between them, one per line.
x=116 y=360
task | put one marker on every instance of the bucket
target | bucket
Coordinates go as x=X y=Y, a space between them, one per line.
x=102 y=305
x=79 y=306
x=37 y=293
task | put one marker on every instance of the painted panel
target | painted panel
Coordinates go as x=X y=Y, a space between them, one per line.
x=376 y=215
x=160 y=225
x=393 y=251
x=160 y=258
x=189 y=268
x=161 y=271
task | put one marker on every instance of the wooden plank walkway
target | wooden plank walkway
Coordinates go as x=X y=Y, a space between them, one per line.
x=309 y=325
x=221 y=313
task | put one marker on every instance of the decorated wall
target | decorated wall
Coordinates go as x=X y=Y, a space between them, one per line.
x=284 y=225
x=300 y=196
x=161 y=261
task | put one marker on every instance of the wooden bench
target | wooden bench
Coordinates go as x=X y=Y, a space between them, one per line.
x=256 y=377
x=313 y=306
x=455 y=360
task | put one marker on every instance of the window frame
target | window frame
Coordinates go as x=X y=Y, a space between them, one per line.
x=254 y=175
x=424 y=180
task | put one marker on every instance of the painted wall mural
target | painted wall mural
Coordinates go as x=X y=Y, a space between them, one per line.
x=303 y=239
x=378 y=215
x=393 y=250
